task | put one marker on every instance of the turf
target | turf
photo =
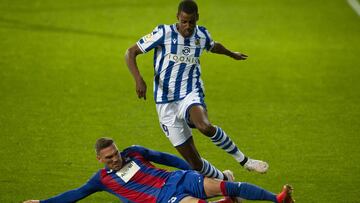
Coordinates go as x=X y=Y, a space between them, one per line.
x=294 y=103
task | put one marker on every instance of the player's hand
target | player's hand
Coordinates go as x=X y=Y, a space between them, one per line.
x=32 y=201
x=239 y=56
x=141 y=88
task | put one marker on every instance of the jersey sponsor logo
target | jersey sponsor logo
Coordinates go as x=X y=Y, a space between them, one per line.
x=186 y=51
x=183 y=59
x=128 y=171
x=174 y=41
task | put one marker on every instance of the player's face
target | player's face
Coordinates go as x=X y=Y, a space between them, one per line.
x=110 y=156
x=187 y=23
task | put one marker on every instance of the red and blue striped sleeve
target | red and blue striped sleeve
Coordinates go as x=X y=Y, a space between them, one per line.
x=93 y=185
x=160 y=157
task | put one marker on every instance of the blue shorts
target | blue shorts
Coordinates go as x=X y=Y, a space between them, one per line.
x=182 y=184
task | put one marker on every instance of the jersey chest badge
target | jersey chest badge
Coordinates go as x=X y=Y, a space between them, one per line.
x=186 y=51
x=197 y=42
x=128 y=171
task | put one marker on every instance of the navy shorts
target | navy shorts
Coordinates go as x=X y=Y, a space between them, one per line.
x=182 y=184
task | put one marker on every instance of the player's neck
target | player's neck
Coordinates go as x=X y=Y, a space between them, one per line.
x=182 y=34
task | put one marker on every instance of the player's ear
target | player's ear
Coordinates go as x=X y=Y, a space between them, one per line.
x=197 y=17
x=98 y=158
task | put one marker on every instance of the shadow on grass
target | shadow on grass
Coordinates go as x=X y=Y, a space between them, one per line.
x=78 y=8
x=20 y=25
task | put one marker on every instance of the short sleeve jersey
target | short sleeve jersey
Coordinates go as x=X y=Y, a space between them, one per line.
x=176 y=61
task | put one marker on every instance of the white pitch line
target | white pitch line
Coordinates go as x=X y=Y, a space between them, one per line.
x=355 y=5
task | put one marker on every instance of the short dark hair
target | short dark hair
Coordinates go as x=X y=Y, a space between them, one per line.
x=102 y=143
x=188 y=6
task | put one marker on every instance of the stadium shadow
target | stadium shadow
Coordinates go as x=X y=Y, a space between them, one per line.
x=20 y=25
x=82 y=7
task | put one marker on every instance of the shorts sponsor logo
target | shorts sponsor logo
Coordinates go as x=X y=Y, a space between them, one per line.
x=172 y=199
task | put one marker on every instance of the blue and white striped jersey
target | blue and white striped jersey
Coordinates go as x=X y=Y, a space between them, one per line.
x=176 y=61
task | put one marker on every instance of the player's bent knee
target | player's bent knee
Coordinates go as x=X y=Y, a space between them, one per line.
x=206 y=128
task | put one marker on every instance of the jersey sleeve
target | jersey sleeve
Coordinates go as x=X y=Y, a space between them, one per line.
x=209 y=43
x=152 y=40
x=161 y=157
x=92 y=186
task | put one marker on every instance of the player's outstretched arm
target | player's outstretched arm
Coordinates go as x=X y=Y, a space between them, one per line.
x=90 y=187
x=130 y=58
x=218 y=48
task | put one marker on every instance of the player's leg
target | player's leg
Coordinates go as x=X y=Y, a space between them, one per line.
x=189 y=199
x=199 y=118
x=244 y=190
x=179 y=133
x=192 y=187
x=191 y=155
x=190 y=190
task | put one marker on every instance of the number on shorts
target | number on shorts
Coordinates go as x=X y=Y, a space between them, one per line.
x=165 y=129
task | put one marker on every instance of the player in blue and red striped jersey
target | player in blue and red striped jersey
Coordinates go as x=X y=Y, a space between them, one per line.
x=179 y=90
x=132 y=177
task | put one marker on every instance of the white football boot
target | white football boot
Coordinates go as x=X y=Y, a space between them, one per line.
x=256 y=165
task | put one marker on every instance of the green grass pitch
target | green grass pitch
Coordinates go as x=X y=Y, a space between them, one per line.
x=294 y=103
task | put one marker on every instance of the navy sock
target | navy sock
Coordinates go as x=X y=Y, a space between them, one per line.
x=223 y=141
x=246 y=191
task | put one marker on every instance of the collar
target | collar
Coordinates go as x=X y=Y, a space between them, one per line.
x=125 y=161
x=108 y=170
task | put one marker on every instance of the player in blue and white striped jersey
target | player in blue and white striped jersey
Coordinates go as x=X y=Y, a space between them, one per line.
x=179 y=90
x=177 y=64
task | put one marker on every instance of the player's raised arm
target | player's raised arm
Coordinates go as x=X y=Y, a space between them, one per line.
x=130 y=58
x=218 y=48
